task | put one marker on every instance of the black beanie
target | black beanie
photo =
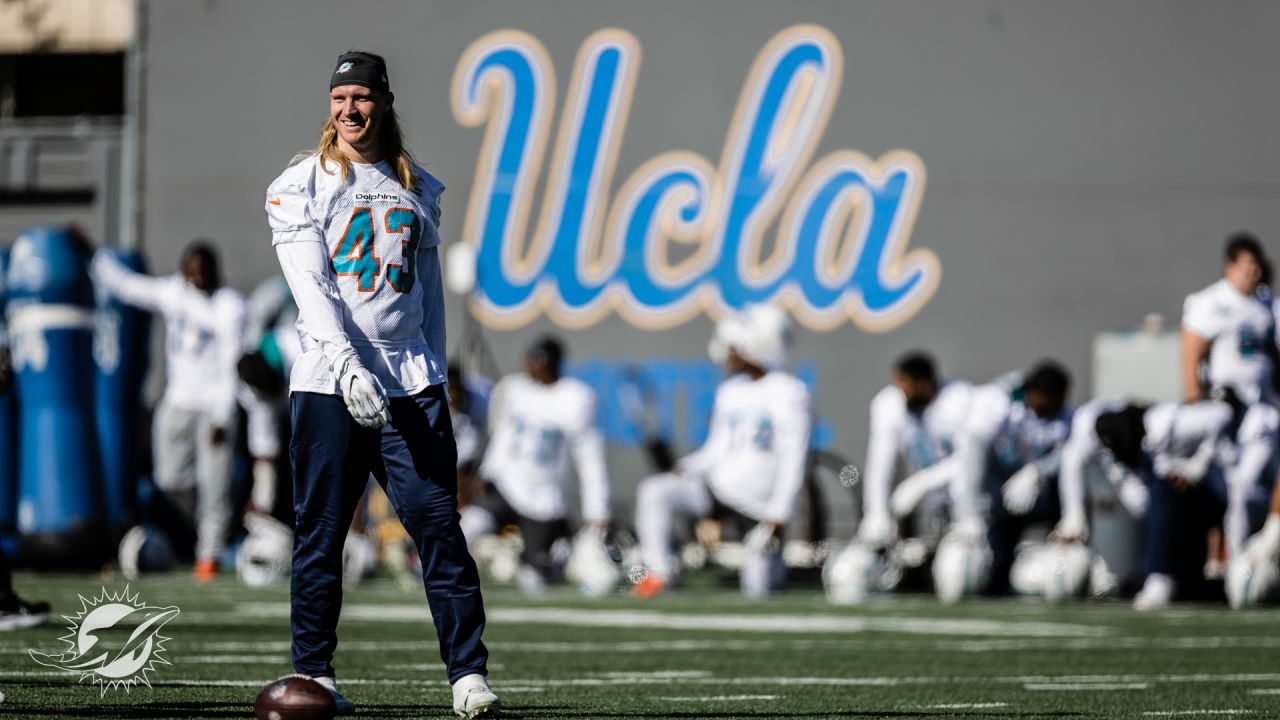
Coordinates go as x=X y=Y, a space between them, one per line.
x=360 y=68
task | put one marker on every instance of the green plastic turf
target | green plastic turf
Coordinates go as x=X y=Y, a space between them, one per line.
x=703 y=652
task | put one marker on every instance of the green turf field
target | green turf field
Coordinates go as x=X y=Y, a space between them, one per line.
x=699 y=653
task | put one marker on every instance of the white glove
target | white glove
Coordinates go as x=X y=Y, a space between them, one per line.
x=263 y=495
x=971 y=530
x=1021 y=490
x=1191 y=469
x=1072 y=526
x=365 y=398
x=1265 y=545
x=877 y=529
x=1134 y=495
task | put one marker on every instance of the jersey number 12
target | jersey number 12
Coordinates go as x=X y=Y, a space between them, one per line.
x=355 y=254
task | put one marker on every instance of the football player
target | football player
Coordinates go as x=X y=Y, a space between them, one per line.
x=195 y=421
x=1011 y=447
x=544 y=423
x=1228 y=329
x=1228 y=341
x=915 y=422
x=1157 y=458
x=355 y=227
x=751 y=466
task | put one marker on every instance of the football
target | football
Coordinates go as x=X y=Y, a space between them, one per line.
x=294 y=697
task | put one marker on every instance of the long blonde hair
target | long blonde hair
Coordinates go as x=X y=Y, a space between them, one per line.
x=390 y=146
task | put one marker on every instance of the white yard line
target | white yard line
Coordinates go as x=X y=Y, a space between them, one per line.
x=963 y=706
x=1265 y=691
x=1179 y=712
x=725 y=622
x=1073 y=687
x=720 y=698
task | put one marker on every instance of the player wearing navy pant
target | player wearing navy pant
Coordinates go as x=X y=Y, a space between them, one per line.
x=355 y=227
x=413 y=458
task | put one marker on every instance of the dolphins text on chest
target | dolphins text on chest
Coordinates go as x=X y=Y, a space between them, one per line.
x=842 y=222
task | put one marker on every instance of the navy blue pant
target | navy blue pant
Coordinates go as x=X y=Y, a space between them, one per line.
x=414 y=458
x=1177 y=524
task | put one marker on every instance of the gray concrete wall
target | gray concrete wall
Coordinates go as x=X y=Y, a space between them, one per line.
x=1084 y=159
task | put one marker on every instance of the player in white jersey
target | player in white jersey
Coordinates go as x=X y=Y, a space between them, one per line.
x=195 y=421
x=1228 y=341
x=915 y=423
x=355 y=228
x=1228 y=329
x=1009 y=454
x=754 y=459
x=1158 y=459
x=544 y=425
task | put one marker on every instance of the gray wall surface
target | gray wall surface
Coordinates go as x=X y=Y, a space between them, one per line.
x=1084 y=159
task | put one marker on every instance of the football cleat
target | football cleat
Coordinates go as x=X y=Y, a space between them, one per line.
x=206 y=570
x=16 y=613
x=472 y=698
x=650 y=586
x=1156 y=593
x=343 y=705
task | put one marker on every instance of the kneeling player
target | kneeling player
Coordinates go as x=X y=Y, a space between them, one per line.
x=753 y=461
x=915 y=424
x=542 y=419
x=1009 y=458
x=1157 y=458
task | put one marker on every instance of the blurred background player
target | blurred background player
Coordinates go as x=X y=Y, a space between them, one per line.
x=752 y=465
x=543 y=423
x=1228 y=329
x=1228 y=341
x=271 y=345
x=195 y=421
x=367 y=394
x=915 y=422
x=1009 y=456
x=1169 y=449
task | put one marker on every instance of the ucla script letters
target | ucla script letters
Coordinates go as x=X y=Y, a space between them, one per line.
x=842 y=222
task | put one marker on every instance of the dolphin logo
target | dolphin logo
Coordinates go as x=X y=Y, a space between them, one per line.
x=114 y=641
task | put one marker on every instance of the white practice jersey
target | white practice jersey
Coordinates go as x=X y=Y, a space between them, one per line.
x=756 y=448
x=203 y=334
x=1014 y=435
x=1240 y=330
x=1173 y=431
x=537 y=430
x=378 y=289
x=916 y=441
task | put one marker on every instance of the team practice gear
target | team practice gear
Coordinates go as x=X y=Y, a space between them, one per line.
x=360 y=256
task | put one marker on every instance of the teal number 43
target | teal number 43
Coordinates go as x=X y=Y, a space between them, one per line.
x=356 y=255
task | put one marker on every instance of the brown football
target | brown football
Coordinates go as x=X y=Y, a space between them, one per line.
x=294 y=697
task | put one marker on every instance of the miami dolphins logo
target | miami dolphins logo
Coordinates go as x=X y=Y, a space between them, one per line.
x=114 y=641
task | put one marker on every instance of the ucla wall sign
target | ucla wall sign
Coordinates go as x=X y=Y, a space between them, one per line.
x=680 y=235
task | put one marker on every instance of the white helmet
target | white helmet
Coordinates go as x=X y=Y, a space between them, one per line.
x=857 y=571
x=1251 y=580
x=1026 y=575
x=1066 y=570
x=590 y=565
x=359 y=558
x=145 y=549
x=961 y=567
x=266 y=554
x=760 y=333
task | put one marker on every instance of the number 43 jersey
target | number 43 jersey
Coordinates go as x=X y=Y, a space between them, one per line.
x=381 y=242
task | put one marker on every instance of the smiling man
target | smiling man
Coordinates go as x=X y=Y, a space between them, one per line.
x=354 y=224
